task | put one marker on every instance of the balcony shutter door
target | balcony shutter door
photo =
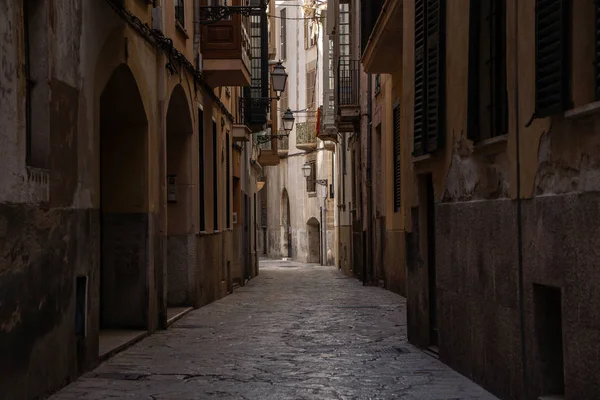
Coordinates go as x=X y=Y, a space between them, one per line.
x=397 y=169
x=597 y=37
x=435 y=74
x=551 y=57
x=419 y=118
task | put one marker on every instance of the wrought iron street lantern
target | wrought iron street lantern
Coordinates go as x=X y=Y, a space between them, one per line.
x=288 y=120
x=279 y=79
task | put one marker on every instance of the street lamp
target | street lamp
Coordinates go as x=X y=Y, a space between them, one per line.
x=288 y=120
x=279 y=79
x=306 y=168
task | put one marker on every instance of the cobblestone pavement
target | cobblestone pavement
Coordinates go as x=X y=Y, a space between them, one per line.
x=296 y=332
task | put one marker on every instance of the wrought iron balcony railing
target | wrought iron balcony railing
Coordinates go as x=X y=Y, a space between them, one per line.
x=306 y=138
x=348 y=85
x=283 y=144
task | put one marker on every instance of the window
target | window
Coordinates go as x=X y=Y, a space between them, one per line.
x=311 y=78
x=488 y=98
x=309 y=32
x=283 y=38
x=397 y=168
x=37 y=98
x=552 y=61
x=377 y=84
x=215 y=177
x=311 y=182
x=429 y=75
x=201 y=169
x=180 y=12
x=228 y=182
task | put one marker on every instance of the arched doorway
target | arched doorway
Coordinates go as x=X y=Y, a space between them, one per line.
x=123 y=204
x=314 y=240
x=286 y=226
x=179 y=177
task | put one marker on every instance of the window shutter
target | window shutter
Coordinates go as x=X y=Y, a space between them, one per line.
x=435 y=74
x=597 y=37
x=397 y=169
x=419 y=117
x=551 y=57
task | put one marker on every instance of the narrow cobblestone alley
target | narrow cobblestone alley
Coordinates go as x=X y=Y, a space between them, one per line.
x=296 y=332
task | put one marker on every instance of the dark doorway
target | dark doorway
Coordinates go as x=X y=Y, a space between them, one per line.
x=314 y=240
x=549 y=339
x=286 y=228
x=123 y=204
x=427 y=244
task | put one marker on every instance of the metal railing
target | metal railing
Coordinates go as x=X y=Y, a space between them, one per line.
x=348 y=82
x=306 y=132
x=283 y=143
x=268 y=145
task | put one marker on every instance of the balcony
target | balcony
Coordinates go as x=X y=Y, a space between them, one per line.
x=327 y=129
x=241 y=128
x=348 y=95
x=225 y=48
x=381 y=54
x=283 y=145
x=268 y=151
x=306 y=138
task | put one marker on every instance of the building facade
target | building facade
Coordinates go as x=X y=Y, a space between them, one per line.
x=299 y=211
x=127 y=191
x=488 y=112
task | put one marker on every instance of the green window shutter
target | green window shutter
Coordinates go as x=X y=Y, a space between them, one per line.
x=435 y=74
x=397 y=168
x=420 y=42
x=552 y=72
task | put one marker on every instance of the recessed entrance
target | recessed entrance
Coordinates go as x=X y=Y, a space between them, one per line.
x=180 y=190
x=123 y=206
x=314 y=240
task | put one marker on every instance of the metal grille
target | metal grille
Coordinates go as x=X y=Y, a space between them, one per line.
x=397 y=168
x=259 y=69
x=180 y=12
x=419 y=117
x=488 y=100
x=348 y=85
x=551 y=56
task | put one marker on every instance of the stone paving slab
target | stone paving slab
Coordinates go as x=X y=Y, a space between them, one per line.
x=297 y=331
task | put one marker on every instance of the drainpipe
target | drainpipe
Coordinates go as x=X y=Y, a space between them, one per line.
x=519 y=207
x=369 y=178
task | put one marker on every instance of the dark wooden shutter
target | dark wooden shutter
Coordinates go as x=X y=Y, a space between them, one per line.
x=597 y=37
x=419 y=118
x=397 y=168
x=201 y=166
x=551 y=57
x=215 y=178
x=228 y=182
x=435 y=73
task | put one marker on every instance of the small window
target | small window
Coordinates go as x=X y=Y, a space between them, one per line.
x=309 y=32
x=81 y=289
x=311 y=77
x=283 y=38
x=311 y=182
x=377 y=84
x=180 y=12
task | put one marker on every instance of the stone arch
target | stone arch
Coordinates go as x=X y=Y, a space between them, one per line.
x=313 y=228
x=180 y=192
x=286 y=225
x=124 y=203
